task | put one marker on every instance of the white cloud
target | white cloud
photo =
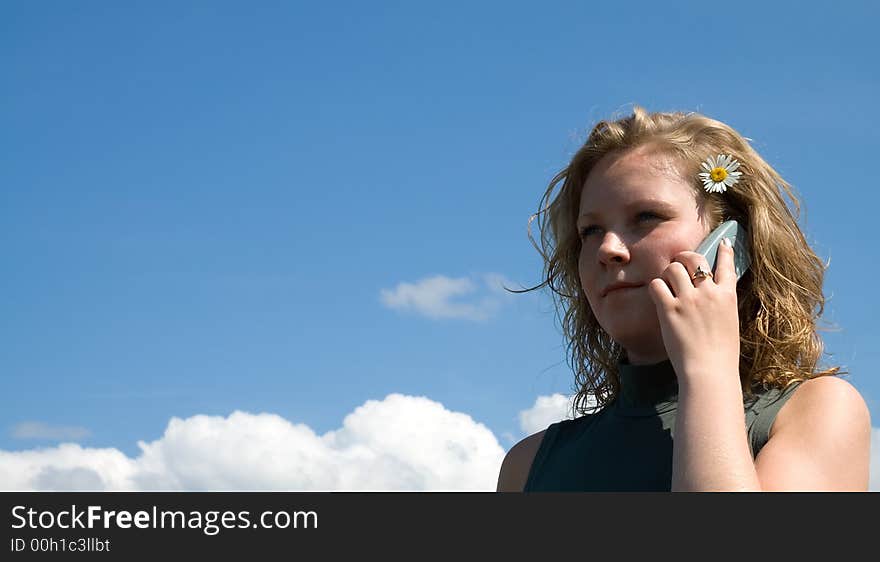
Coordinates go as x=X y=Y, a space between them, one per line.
x=445 y=297
x=547 y=410
x=40 y=430
x=496 y=283
x=65 y=467
x=399 y=443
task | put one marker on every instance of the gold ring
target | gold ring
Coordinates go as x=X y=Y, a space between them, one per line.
x=700 y=273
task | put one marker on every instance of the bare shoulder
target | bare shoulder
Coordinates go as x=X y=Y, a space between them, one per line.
x=829 y=401
x=517 y=464
x=820 y=440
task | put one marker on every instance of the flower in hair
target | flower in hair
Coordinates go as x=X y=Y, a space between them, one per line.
x=719 y=173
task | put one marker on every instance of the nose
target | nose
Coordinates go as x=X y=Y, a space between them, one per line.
x=613 y=250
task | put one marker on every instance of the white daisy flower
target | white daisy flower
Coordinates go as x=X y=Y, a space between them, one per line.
x=719 y=173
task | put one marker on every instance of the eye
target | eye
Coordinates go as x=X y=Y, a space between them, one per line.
x=644 y=215
x=587 y=230
x=647 y=215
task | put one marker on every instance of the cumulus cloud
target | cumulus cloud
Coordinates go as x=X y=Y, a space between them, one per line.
x=446 y=297
x=399 y=443
x=545 y=411
x=65 y=466
x=40 y=430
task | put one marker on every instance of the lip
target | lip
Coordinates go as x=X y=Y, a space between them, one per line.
x=616 y=286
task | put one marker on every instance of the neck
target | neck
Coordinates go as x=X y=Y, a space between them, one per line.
x=646 y=389
x=646 y=356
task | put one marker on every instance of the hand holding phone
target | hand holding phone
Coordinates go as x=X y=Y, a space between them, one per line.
x=738 y=235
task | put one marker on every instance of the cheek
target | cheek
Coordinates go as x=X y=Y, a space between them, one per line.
x=588 y=284
x=584 y=272
x=689 y=238
x=659 y=253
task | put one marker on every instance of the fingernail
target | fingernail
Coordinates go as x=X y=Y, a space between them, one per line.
x=728 y=243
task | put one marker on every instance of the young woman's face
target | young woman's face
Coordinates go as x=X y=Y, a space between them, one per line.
x=636 y=213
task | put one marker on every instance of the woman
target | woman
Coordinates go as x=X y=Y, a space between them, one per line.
x=700 y=381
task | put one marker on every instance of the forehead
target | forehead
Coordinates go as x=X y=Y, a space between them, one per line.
x=634 y=176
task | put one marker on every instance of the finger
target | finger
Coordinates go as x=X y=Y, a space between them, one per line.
x=677 y=278
x=692 y=261
x=660 y=294
x=725 y=272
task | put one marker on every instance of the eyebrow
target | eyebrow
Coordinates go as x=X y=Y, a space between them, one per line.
x=658 y=204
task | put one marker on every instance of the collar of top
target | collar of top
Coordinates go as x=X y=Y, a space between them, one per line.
x=646 y=389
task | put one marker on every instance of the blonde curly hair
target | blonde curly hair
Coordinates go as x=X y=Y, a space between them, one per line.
x=779 y=297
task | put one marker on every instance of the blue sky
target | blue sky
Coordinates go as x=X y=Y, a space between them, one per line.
x=207 y=207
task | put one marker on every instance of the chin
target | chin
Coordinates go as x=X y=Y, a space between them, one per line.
x=632 y=331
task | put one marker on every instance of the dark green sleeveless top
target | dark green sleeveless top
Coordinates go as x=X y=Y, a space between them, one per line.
x=627 y=445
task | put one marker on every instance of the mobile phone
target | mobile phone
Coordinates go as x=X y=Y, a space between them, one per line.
x=738 y=235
